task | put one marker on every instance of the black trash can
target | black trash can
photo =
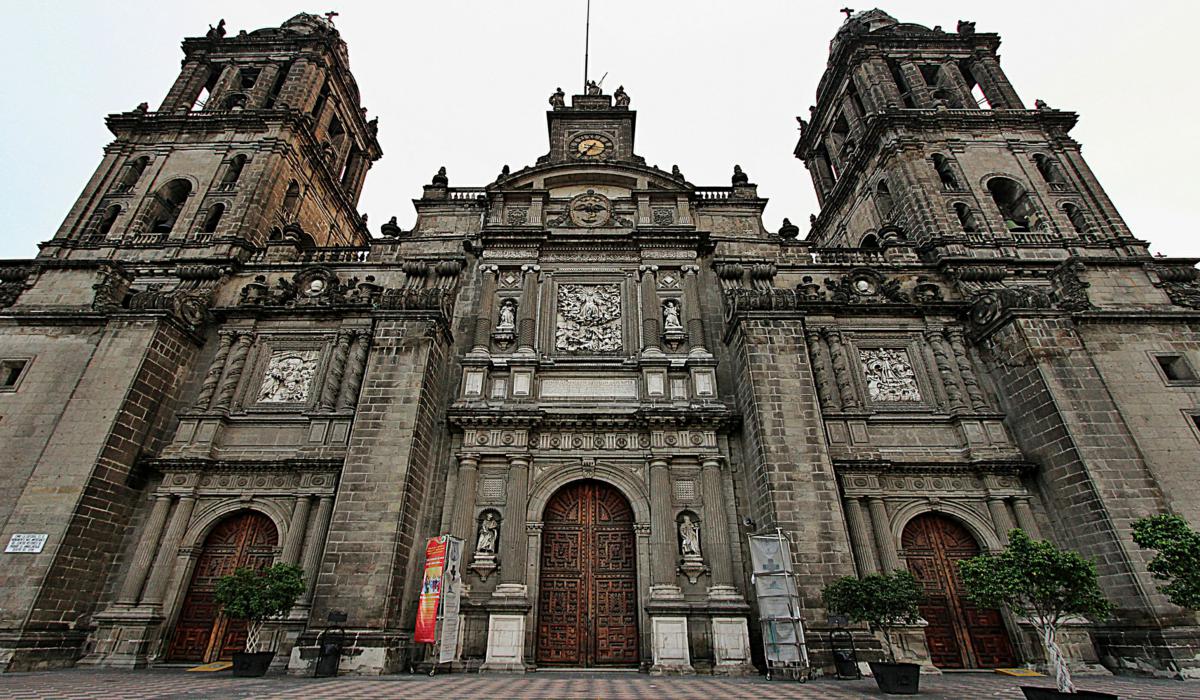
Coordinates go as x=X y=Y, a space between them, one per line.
x=329 y=652
x=845 y=664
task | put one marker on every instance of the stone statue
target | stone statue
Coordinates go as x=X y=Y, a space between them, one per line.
x=364 y=219
x=739 y=177
x=593 y=90
x=558 y=99
x=505 y=171
x=965 y=27
x=143 y=107
x=1041 y=104
x=489 y=530
x=689 y=537
x=440 y=178
x=508 y=315
x=676 y=172
x=671 y=315
x=373 y=126
x=217 y=32
x=621 y=97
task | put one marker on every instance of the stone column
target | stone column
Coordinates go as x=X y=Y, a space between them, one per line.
x=140 y=566
x=817 y=354
x=314 y=548
x=945 y=370
x=485 y=319
x=463 y=524
x=1000 y=93
x=966 y=371
x=841 y=368
x=1000 y=519
x=853 y=118
x=691 y=308
x=1025 y=519
x=951 y=77
x=651 y=310
x=662 y=525
x=168 y=551
x=918 y=89
x=295 y=532
x=824 y=175
x=716 y=526
x=188 y=85
x=889 y=560
x=337 y=369
x=527 y=311
x=209 y=385
x=237 y=363
x=512 y=530
x=860 y=537
x=354 y=370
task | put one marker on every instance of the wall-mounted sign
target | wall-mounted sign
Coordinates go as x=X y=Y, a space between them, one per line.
x=26 y=543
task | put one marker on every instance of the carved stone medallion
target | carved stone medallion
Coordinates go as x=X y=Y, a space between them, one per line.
x=890 y=376
x=288 y=377
x=589 y=319
x=590 y=209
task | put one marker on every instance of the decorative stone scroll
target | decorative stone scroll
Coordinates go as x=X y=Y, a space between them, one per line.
x=890 y=376
x=288 y=376
x=589 y=319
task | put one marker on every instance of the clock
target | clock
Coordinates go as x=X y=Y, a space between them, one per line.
x=590 y=147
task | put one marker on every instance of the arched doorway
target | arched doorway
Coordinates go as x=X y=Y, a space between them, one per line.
x=245 y=539
x=960 y=634
x=587 y=589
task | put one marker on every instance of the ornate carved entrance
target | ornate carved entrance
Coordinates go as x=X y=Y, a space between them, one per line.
x=587 y=600
x=203 y=634
x=959 y=635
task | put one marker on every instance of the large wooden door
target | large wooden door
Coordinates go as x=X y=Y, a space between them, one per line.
x=587 y=590
x=960 y=634
x=203 y=634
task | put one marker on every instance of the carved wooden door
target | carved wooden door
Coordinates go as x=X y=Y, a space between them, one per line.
x=202 y=633
x=587 y=600
x=960 y=634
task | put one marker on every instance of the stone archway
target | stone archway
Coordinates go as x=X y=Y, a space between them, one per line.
x=960 y=634
x=243 y=539
x=587 y=584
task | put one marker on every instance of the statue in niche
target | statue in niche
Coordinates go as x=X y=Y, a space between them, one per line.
x=508 y=315
x=671 y=320
x=489 y=531
x=689 y=537
x=621 y=97
x=558 y=99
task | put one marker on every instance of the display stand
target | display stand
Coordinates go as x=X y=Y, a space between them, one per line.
x=779 y=607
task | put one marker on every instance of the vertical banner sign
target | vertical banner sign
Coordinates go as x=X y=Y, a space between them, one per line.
x=451 y=598
x=431 y=590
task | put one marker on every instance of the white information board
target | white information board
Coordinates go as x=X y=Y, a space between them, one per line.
x=26 y=543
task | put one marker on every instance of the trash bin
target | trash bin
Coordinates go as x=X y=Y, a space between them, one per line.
x=845 y=664
x=841 y=645
x=329 y=647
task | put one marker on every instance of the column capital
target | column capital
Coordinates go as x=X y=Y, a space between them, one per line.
x=659 y=462
x=531 y=269
x=519 y=460
x=712 y=462
x=690 y=269
x=492 y=269
x=647 y=268
x=468 y=460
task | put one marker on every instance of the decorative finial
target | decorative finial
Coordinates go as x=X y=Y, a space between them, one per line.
x=789 y=230
x=330 y=15
x=390 y=229
x=847 y=11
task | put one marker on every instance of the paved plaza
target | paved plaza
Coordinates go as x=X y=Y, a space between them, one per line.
x=77 y=684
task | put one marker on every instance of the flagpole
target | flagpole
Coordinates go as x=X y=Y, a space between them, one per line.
x=587 y=35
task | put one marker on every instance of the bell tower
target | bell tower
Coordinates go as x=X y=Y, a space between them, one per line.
x=918 y=134
x=262 y=137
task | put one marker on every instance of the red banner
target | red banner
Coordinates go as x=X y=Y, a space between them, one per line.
x=431 y=590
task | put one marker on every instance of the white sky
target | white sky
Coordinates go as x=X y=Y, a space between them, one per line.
x=463 y=83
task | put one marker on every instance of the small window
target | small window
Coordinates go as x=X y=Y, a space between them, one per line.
x=10 y=373
x=1175 y=368
x=1195 y=419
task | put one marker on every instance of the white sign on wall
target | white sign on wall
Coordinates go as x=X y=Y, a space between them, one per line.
x=26 y=543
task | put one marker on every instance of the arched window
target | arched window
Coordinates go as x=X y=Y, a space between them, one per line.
x=214 y=217
x=945 y=173
x=291 y=202
x=869 y=242
x=966 y=218
x=133 y=173
x=108 y=219
x=1079 y=222
x=1014 y=203
x=233 y=172
x=883 y=199
x=166 y=205
x=1049 y=169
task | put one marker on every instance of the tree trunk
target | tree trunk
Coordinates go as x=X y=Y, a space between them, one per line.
x=1062 y=674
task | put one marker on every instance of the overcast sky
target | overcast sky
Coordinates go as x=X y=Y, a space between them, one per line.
x=463 y=83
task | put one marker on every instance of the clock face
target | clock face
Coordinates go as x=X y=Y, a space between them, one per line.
x=590 y=147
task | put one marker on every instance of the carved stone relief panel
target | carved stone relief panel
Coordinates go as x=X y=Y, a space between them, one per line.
x=889 y=374
x=288 y=377
x=589 y=319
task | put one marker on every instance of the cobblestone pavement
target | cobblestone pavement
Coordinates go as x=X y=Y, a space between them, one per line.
x=78 y=684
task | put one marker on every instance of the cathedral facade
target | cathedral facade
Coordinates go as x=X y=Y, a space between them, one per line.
x=600 y=376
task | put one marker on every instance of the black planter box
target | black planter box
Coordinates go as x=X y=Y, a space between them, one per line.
x=896 y=679
x=1036 y=693
x=252 y=665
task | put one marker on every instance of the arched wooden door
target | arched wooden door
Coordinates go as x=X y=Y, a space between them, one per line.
x=960 y=634
x=203 y=634
x=587 y=590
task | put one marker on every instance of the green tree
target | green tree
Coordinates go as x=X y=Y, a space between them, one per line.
x=1178 y=559
x=884 y=601
x=257 y=595
x=1037 y=580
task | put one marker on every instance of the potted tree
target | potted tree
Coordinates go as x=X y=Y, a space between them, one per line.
x=257 y=595
x=1038 y=581
x=1178 y=558
x=885 y=602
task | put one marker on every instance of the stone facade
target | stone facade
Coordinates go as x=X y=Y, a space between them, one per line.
x=967 y=340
